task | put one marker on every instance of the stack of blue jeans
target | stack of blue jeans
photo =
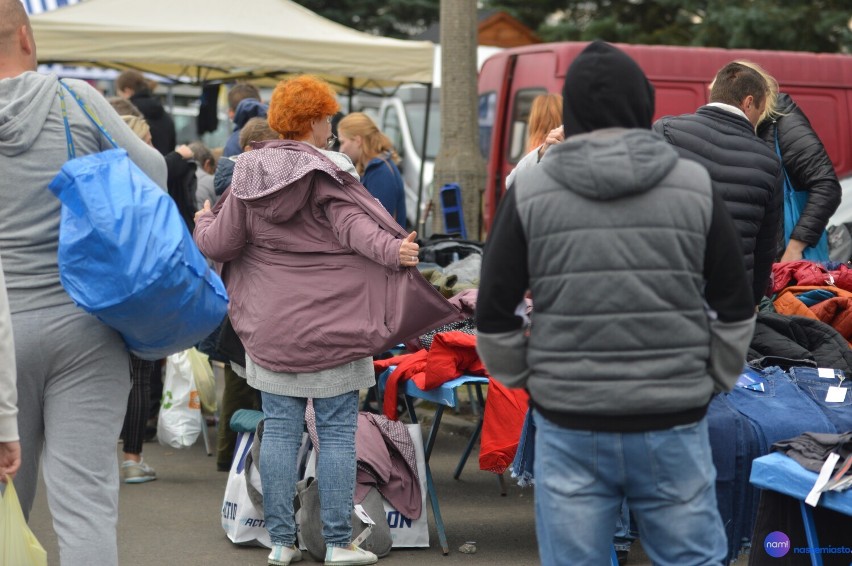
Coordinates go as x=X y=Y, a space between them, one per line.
x=744 y=424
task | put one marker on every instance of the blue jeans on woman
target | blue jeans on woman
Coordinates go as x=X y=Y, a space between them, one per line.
x=667 y=477
x=337 y=419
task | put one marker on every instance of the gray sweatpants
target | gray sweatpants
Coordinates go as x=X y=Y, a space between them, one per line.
x=73 y=383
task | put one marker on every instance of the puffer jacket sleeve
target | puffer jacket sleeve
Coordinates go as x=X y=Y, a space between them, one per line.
x=808 y=167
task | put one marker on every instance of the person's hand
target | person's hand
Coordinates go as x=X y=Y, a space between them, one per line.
x=204 y=210
x=555 y=136
x=10 y=459
x=184 y=151
x=408 y=251
x=794 y=252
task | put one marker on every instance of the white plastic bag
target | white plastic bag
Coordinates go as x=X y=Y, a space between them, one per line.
x=242 y=521
x=202 y=371
x=180 y=408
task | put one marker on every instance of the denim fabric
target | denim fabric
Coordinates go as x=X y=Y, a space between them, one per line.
x=816 y=388
x=667 y=477
x=337 y=418
x=522 y=465
x=734 y=444
x=781 y=411
x=625 y=529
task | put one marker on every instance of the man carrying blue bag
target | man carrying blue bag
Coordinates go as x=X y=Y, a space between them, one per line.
x=73 y=370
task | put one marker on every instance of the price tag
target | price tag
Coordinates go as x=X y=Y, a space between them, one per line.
x=362 y=514
x=826 y=373
x=836 y=395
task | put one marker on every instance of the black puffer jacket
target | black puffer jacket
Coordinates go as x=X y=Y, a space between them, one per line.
x=808 y=166
x=163 y=136
x=799 y=338
x=745 y=172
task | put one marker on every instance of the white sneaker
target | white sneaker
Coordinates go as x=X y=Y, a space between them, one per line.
x=137 y=472
x=284 y=555
x=348 y=556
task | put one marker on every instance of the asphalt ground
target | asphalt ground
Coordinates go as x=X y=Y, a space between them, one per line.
x=175 y=520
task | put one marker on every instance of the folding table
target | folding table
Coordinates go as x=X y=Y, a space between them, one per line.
x=780 y=473
x=444 y=396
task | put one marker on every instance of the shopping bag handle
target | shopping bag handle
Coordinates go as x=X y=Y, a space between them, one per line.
x=87 y=111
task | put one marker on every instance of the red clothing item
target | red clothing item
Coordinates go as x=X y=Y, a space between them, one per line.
x=505 y=411
x=454 y=354
x=808 y=273
x=407 y=366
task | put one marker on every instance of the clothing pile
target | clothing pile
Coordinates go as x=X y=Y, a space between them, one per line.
x=795 y=382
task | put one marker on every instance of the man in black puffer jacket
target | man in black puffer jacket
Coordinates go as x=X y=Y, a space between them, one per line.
x=744 y=171
x=809 y=168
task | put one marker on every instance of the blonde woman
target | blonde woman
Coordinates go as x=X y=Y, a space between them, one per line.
x=375 y=160
x=545 y=115
x=808 y=166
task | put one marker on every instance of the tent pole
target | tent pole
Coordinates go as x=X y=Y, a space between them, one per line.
x=423 y=158
x=351 y=82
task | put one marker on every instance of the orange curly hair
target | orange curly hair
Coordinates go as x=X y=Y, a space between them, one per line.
x=297 y=102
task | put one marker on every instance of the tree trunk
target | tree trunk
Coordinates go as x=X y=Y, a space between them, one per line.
x=459 y=159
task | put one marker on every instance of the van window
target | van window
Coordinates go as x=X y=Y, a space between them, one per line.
x=415 y=112
x=392 y=129
x=520 y=119
x=487 y=112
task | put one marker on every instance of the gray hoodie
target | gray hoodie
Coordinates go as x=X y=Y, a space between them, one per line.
x=32 y=151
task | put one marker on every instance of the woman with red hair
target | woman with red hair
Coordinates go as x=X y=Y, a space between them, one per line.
x=312 y=261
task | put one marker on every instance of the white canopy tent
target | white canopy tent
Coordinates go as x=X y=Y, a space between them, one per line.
x=200 y=41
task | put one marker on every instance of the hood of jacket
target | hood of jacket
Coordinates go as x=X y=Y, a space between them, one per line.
x=784 y=103
x=275 y=180
x=224 y=172
x=610 y=164
x=247 y=109
x=149 y=105
x=25 y=102
x=604 y=88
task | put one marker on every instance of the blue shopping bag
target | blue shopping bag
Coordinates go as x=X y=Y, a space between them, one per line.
x=126 y=256
x=794 y=203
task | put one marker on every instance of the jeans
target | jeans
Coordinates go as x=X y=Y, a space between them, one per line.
x=734 y=444
x=625 y=532
x=780 y=412
x=337 y=418
x=816 y=388
x=667 y=477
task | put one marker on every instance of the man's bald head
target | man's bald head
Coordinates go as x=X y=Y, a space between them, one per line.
x=17 y=46
x=12 y=17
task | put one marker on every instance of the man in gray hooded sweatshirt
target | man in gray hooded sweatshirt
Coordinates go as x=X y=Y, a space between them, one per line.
x=73 y=371
x=642 y=311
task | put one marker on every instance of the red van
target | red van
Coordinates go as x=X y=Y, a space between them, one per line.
x=821 y=84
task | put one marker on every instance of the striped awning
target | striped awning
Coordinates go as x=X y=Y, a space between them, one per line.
x=39 y=6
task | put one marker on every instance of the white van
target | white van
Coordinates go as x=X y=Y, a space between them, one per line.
x=401 y=115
